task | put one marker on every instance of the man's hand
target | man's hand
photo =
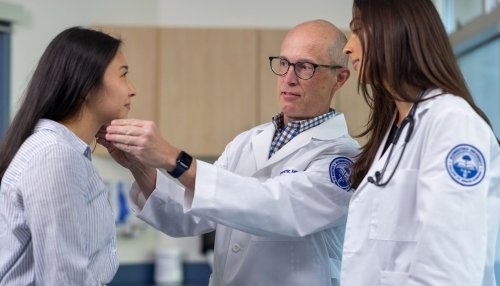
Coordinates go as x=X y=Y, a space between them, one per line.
x=145 y=176
x=122 y=158
x=142 y=140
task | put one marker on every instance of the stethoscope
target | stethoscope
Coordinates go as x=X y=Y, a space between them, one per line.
x=409 y=120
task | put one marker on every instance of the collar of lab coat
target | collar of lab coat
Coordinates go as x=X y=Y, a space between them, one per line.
x=331 y=129
x=379 y=161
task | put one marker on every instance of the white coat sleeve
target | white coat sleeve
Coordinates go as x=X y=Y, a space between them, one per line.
x=452 y=247
x=294 y=204
x=164 y=209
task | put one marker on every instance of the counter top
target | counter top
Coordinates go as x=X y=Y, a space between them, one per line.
x=195 y=274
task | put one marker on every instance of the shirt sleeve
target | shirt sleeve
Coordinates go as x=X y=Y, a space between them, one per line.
x=56 y=203
x=452 y=247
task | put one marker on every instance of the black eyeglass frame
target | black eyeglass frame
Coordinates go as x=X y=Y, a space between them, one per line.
x=315 y=66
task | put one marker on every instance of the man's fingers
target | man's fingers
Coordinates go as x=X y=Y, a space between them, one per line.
x=127 y=122
x=124 y=147
x=124 y=130
x=103 y=142
x=123 y=139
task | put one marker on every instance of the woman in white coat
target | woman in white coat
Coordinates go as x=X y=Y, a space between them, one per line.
x=427 y=205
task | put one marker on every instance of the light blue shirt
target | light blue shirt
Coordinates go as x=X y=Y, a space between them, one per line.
x=56 y=223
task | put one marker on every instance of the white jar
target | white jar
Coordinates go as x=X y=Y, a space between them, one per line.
x=168 y=267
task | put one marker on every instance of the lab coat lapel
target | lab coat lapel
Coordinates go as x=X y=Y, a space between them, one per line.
x=378 y=164
x=294 y=144
x=380 y=159
x=261 y=144
x=329 y=130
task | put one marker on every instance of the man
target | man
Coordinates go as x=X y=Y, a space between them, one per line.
x=278 y=195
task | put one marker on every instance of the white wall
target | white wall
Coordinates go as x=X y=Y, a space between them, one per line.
x=252 y=13
x=41 y=20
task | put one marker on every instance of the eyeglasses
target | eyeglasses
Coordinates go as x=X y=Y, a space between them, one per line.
x=303 y=70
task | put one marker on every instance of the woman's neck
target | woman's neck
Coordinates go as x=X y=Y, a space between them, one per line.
x=84 y=127
x=402 y=106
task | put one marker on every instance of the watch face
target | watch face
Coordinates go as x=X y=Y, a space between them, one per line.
x=183 y=163
x=184 y=160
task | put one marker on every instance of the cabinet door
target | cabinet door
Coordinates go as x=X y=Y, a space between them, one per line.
x=269 y=45
x=140 y=46
x=207 y=87
x=348 y=101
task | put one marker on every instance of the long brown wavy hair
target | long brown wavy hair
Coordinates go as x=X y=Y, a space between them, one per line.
x=404 y=45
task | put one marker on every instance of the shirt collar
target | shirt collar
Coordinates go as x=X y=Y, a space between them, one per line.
x=279 y=121
x=68 y=135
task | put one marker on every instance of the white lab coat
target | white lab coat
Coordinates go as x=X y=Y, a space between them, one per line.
x=279 y=221
x=424 y=228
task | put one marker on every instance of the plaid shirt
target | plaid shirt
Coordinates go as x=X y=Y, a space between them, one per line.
x=285 y=134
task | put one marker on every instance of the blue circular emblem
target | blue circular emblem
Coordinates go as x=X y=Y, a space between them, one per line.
x=466 y=165
x=340 y=171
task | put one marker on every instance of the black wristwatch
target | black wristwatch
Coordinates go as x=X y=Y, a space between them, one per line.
x=182 y=163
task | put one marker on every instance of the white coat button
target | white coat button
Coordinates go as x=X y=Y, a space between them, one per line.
x=236 y=248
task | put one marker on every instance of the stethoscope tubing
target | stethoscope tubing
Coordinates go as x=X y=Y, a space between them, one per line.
x=410 y=121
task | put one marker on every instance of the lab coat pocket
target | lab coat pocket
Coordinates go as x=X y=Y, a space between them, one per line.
x=389 y=278
x=277 y=238
x=394 y=209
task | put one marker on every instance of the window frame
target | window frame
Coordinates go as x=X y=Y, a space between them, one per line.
x=5 y=63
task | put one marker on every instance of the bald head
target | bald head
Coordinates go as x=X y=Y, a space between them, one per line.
x=321 y=34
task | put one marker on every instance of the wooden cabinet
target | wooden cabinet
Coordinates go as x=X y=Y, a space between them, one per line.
x=207 y=86
x=140 y=46
x=348 y=101
x=204 y=86
x=269 y=45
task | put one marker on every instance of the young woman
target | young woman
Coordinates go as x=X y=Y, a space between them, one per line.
x=56 y=224
x=427 y=205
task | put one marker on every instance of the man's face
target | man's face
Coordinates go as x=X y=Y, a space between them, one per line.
x=302 y=99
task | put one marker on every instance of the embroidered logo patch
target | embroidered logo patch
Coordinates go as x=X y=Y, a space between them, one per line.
x=466 y=165
x=340 y=171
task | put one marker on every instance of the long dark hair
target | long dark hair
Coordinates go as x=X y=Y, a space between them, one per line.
x=404 y=45
x=70 y=68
